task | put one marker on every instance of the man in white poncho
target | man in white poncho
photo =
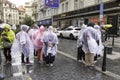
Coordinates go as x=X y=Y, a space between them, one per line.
x=50 y=46
x=90 y=44
x=23 y=44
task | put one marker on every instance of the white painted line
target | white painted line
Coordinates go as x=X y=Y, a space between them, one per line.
x=113 y=56
x=108 y=73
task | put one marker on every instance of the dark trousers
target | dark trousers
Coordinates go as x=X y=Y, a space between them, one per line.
x=49 y=59
x=22 y=58
x=7 y=54
x=35 y=53
x=80 y=54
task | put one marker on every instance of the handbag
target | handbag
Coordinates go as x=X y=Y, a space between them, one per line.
x=7 y=45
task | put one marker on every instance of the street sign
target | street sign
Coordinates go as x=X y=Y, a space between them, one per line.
x=101 y=11
x=52 y=3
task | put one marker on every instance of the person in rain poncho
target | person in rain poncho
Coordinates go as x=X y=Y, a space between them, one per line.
x=25 y=45
x=35 y=28
x=80 y=53
x=7 y=36
x=90 y=44
x=100 y=47
x=37 y=41
x=50 y=40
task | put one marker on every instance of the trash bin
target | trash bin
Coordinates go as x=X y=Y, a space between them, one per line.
x=109 y=50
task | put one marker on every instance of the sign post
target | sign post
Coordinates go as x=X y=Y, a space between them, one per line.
x=53 y=4
x=101 y=12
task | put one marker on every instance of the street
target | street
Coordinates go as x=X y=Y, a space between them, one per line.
x=64 y=67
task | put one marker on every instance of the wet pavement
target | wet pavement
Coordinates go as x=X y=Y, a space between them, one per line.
x=112 y=65
x=64 y=69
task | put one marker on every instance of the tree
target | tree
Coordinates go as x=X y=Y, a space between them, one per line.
x=28 y=21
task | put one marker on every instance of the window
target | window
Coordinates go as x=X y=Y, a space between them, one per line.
x=81 y=4
x=76 y=4
x=66 y=6
x=62 y=8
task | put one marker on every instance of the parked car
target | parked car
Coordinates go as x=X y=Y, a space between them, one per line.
x=70 y=32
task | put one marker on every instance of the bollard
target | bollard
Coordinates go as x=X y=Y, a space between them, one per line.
x=104 y=60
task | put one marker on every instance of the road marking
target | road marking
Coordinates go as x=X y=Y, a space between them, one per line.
x=108 y=73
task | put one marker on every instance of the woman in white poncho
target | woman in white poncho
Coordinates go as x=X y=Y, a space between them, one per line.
x=90 y=45
x=23 y=44
x=50 y=46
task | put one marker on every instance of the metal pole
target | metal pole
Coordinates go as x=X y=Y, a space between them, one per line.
x=113 y=40
x=104 y=60
x=52 y=17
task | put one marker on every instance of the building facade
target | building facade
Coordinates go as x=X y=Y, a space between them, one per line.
x=29 y=9
x=35 y=10
x=21 y=13
x=1 y=9
x=10 y=13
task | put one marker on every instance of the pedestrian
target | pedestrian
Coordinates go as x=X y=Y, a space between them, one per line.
x=24 y=43
x=100 y=46
x=50 y=41
x=7 y=39
x=90 y=44
x=80 y=52
x=31 y=31
x=37 y=41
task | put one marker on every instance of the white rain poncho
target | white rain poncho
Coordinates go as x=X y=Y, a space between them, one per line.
x=23 y=43
x=89 y=39
x=79 y=40
x=38 y=37
x=100 y=47
x=50 y=38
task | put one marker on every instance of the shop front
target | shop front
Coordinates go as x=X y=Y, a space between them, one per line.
x=89 y=14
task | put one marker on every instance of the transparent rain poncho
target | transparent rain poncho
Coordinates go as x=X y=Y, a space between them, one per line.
x=22 y=43
x=50 y=42
x=89 y=39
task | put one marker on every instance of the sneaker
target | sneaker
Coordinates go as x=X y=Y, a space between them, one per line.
x=51 y=64
x=79 y=60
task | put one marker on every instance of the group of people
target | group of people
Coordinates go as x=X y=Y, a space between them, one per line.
x=89 y=44
x=39 y=41
x=42 y=42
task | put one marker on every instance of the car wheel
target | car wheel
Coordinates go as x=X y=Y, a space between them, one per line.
x=71 y=36
x=61 y=35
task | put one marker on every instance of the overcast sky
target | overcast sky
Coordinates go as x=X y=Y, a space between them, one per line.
x=19 y=2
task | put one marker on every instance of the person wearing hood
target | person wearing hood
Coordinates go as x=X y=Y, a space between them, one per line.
x=25 y=44
x=7 y=39
x=37 y=41
x=101 y=47
x=50 y=41
x=90 y=44
x=80 y=53
x=31 y=31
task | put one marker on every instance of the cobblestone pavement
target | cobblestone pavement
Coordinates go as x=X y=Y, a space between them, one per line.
x=112 y=65
x=64 y=69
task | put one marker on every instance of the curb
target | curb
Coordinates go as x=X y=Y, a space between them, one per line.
x=108 y=73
